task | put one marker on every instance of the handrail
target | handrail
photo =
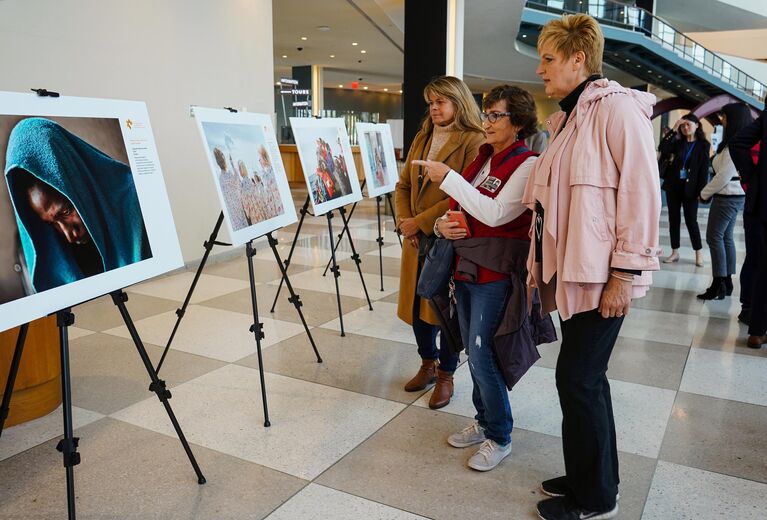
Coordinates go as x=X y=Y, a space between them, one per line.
x=640 y=20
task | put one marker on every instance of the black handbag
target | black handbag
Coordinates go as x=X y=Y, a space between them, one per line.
x=436 y=270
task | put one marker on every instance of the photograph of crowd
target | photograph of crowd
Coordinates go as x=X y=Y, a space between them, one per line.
x=330 y=178
x=378 y=157
x=245 y=173
x=69 y=209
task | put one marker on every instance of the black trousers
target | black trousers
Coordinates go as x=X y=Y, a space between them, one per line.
x=752 y=228
x=588 y=426
x=758 y=323
x=677 y=201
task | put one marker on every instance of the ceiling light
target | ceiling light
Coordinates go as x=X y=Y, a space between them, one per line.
x=386 y=90
x=400 y=91
x=332 y=55
x=340 y=86
x=304 y=38
x=284 y=55
x=277 y=84
x=524 y=36
x=363 y=51
x=354 y=44
x=364 y=88
x=628 y=60
x=687 y=90
x=323 y=28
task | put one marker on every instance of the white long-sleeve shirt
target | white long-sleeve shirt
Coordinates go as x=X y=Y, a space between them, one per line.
x=493 y=212
x=724 y=172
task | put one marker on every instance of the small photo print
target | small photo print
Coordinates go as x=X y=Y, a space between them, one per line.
x=378 y=158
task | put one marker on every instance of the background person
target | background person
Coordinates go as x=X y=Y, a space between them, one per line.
x=755 y=222
x=489 y=192
x=684 y=179
x=596 y=199
x=451 y=133
x=727 y=198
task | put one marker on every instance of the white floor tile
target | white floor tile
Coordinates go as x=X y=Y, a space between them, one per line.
x=176 y=287
x=392 y=251
x=693 y=282
x=660 y=326
x=381 y=323
x=316 y=502
x=641 y=412
x=349 y=284
x=313 y=256
x=726 y=375
x=684 y=493
x=213 y=333
x=313 y=425
x=30 y=434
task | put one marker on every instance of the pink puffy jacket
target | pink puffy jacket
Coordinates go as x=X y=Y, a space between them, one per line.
x=598 y=185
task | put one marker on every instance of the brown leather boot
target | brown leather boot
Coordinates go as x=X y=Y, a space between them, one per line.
x=425 y=376
x=443 y=390
x=756 y=341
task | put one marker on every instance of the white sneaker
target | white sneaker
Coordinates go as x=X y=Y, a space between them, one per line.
x=490 y=454
x=469 y=436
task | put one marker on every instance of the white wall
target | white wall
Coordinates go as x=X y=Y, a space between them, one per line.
x=169 y=53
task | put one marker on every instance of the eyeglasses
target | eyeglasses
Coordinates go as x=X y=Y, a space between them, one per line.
x=493 y=116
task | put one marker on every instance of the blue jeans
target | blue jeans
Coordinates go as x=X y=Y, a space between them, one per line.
x=721 y=226
x=426 y=339
x=480 y=309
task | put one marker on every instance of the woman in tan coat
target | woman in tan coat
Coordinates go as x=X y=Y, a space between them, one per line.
x=452 y=134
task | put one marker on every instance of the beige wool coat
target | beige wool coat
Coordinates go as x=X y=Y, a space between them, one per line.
x=426 y=205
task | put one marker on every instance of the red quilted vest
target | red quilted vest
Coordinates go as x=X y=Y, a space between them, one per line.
x=502 y=166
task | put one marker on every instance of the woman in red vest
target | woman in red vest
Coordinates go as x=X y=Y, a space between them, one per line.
x=489 y=193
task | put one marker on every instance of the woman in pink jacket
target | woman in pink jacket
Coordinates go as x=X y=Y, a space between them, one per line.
x=596 y=198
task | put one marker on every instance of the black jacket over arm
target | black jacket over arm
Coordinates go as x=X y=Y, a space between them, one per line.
x=754 y=175
x=697 y=164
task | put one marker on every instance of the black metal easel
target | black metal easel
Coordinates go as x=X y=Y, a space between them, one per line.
x=379 y=240
x=334 y=265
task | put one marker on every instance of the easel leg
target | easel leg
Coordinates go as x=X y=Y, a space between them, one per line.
x=355 y=257
x=15 y=361
x=380 y=240
x=208 y=245
x=257 y=328
x=345 y=230
x=158 y=385
x=393 y=216
x=303 y=211
x=68 y=445
x=334 y=269
x=294 y=298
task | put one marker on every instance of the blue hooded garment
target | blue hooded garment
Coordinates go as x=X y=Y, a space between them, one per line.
x=101 y=190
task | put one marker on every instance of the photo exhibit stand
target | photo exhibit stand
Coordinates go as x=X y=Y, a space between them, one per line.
x=257 y=326
x=69 y=444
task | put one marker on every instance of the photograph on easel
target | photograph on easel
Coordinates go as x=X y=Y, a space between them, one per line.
x=244 y=158
x=83 y=209
x=326 y=158
x=378 y=158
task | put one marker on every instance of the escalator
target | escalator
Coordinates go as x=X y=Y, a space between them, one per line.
x=648 y=48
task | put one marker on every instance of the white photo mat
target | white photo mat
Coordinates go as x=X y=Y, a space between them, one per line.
x=333 y=178
x=378 y=158
x=148 y=188
x=250 y=147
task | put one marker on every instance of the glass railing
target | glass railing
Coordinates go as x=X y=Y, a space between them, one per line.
x=639 y=20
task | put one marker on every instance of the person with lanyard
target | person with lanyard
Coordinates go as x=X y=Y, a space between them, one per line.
x=684 y=179
x=596 y=202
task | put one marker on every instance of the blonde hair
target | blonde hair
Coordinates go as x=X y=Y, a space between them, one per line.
x=466 y=110
x=573 y=33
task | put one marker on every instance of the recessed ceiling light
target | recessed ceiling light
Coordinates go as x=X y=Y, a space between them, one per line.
x=354 y=43
x=277 y=84
x=524 y=36
x=400 y=91
x=304 y=38
x=386 y=90
x=364 y=88
x=340 y=86
x=687 y=90
x=363 y=51
x=323 y=28
x=332 y=55
x=628 y=60
x=284 y=55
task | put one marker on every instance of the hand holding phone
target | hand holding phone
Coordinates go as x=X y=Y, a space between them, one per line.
x=460 y=218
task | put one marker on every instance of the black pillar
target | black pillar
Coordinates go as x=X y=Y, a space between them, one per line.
x=425 y=55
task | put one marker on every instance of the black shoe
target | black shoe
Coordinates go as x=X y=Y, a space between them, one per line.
x=555 y=487
x=728 y=287
x=745 y=316
x=716 y=291
x=561 y=508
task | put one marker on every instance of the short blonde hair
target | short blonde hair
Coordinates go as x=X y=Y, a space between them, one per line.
x=466 y=108
x=573 y=33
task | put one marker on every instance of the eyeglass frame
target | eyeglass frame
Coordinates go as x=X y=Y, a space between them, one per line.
x=493 y=117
